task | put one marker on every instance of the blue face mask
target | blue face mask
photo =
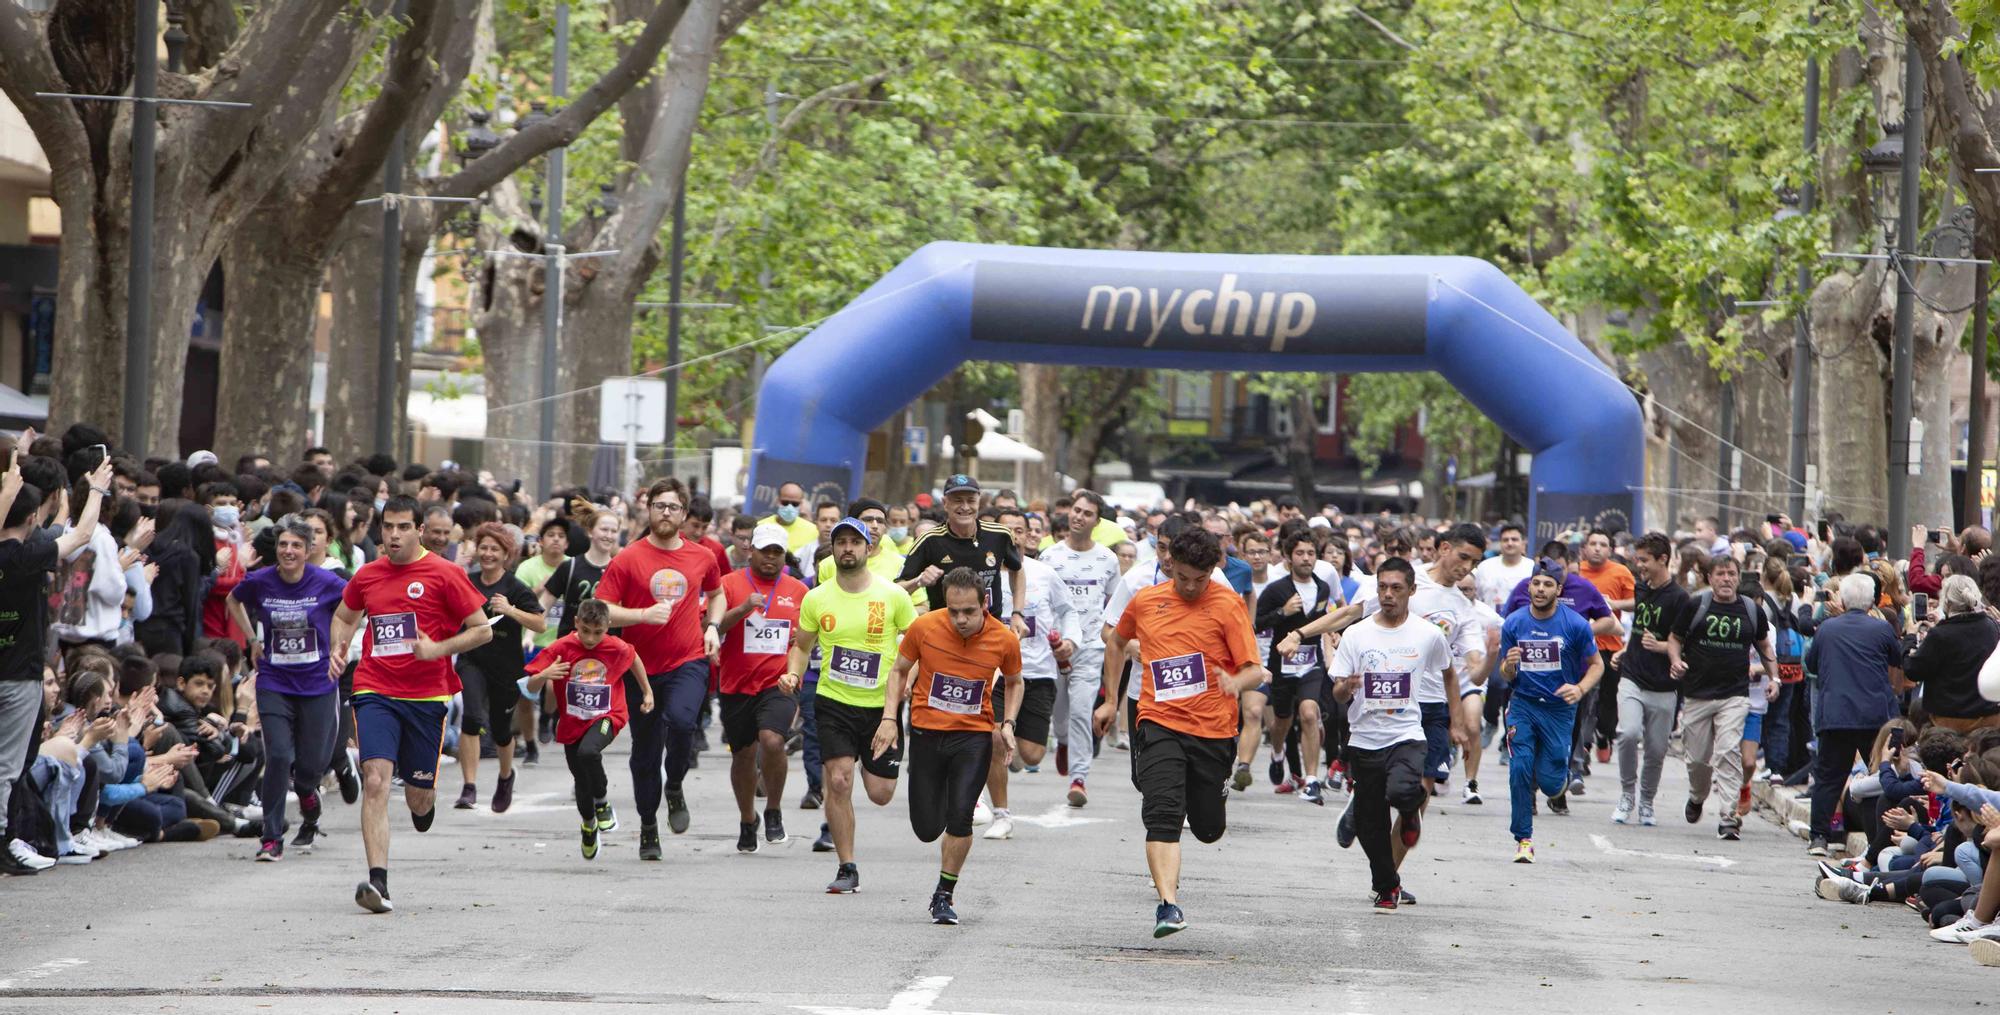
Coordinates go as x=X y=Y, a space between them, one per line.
x=899 y=533
x=226 y=517
x=380 y=503
x=787 y=514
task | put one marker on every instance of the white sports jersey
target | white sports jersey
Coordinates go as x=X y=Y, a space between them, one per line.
x=1496 y=578
x=1046 y=610
x=1087 y=577
x=1453 y=614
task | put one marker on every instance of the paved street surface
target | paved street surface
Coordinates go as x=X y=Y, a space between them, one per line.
x=499 y=914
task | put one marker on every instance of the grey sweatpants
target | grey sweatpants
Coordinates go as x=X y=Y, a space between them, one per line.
x=20 y=709
x=1712 y=739
x=1075 y=703
x=1646 y=716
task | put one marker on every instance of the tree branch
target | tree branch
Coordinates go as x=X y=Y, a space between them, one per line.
x=768 y=154
x=657 y=183
x=1369 y=19
x=26 y=68
x=211 y=27
x=406 y=79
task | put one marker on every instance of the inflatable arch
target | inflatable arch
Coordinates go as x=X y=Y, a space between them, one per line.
x=951 y=302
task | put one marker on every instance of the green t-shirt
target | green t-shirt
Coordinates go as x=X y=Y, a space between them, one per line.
x=533 y=572
x=857 y=638
x=888 y=564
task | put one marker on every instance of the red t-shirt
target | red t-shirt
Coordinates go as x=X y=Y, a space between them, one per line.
x=755 y=650
x=429 y=595
x=643 y=574
x=721 y=554
x=215 y=619
x=594 y=688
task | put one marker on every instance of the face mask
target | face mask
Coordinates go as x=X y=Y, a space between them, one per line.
x=787 y=514
x=380 y=503
x=226 y=517
x=899 y=533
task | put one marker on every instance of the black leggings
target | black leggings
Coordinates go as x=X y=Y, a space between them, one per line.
x=586 y=765
x=489 y=702
x=946 y=771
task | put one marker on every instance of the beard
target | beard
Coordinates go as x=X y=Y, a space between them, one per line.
x=664 y=530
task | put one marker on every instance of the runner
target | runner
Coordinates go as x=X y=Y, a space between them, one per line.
x=1050 y=643
x=582 y=668
x=1298 y=677
x=967 y=541
x=287 y=611
x=575 y=580
x=492 y=672
x=1597 y=713
x=646 y=585
x=1498 y=576
x=1121 y=669
x=946 y=667
x=858 y=616
x=421 y=610
x=1709 y=653
x=1376 y=671
x=1197 y=654
x=551 y=551
x=882 y=559
x=1648 y=695
x=1548 y=652
x=1087 y=569
x=1472 y=690
x=758 y=704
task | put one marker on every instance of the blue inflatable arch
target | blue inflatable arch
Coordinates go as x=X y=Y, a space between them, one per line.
x=952 y=302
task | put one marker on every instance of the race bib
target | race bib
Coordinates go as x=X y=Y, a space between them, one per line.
x=1385 y=692
x=1301 y=661
x=587 y=701
x=854 y=667
x=1178 y=677
x=957 y=695
x=293 y=641
x=555 y=615
x=1263 y=644
x=1541 y=655
x=1029 y=620
x=1084 y=593
x=766 y=637
x=395 y=634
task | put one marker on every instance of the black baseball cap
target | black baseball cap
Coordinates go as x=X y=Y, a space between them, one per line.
x=959 y=481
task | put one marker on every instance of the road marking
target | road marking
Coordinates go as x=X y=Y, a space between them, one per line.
x=43 y=971
x=914 y=999
x=1604 y=845
x=1059 y=816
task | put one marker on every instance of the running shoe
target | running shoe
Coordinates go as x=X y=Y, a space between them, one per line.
x=846 y=880
x=350 y=784
x=1385 y=902
x=811 y=801
x=1016 y=765
x=1646 y=816
x=1576 y=785
x=590 y=830
x=823 y=844
x=1241 y=780
x=271 y=851
x=1729 y=832
x=607 y=819
x=1411 y=829
x=1403 y=897
x=1277 y=772
x=1486 y=731
x=1290 y=785
x=1524 y=851
x=1845 y=890
x=503 y=794
x=303 y=841
x=1692 y=812
x=774 y=827
x=1168 y=919
x=1559 y=805
x=1062 y=759
x=1986 y=951
x=941 y=911
x=1343 y=830
x=1622 y=814
x=981 y=814
x=531 y=753
x=677 y=812
x=1001 y=828
x=467 y=798
x=1311 y=793
x=26 y=856
x=372 y=897
x=1077 y=798
x=649 y=842
x=546 y=732
x=1968 y=929
x=1471 y=792
x=746 y=837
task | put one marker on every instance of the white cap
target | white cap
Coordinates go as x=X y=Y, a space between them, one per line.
x=769 y=535
x=1127 y=524
x=202 y=458
x=1318 y=522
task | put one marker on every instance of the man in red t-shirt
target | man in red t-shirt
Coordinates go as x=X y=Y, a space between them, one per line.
x=586 y=666
x=421 y=610
x=759 y=624
x=655 y=588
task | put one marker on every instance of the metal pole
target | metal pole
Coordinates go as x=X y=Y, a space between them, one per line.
x=674 y=314
x=553 y=267
x=1725 y=456
x=139 y=283
x=1673 y=485
x=1975 y=431
x=632 y=438
x=391 y=292
x=1802 y=327
x=1906 y=302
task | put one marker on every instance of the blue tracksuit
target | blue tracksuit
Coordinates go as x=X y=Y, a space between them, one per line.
x=1554 y=652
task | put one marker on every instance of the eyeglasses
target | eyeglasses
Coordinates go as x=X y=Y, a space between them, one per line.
x=659 y=507
x=874 y=520
x=790 y=503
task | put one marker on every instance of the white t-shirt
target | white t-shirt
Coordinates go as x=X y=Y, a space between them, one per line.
x=1326 y=572
x=1047 y=609
x=1142 y=577
x=1392 y=662
x=1087 y=578
x=1496 y=578
x=1454 y=616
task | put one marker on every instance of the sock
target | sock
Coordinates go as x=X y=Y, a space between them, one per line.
x=1472 y=784
x=946 y=882
x=423 y=821
x=999 y=812
x=309 y=807
x=599 y=803
x=380 y=877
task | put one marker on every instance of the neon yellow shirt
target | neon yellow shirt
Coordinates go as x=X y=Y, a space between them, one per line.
x=888 y=564
x=798 y=535
x=857 y=638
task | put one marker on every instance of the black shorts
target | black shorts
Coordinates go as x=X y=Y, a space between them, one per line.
x=1287 y=692
x=947 y=772
x=1038 y=706
x=848 y=731
x=1178 y=776
x=487 y=701
x=745 y=715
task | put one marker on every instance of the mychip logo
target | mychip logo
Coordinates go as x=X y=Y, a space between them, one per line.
x=1224 y=309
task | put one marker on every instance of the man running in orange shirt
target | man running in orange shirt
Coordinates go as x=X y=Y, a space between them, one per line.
x=1598 y=711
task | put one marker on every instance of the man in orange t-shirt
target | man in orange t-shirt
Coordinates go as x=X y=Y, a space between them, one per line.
x=1197 y=652
x=1599 y=708
x=946 y=667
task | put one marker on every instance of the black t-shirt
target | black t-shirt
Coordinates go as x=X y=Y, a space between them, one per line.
x=989 y=551
x=25 y=566
x=1655 y=610
x=504 y=655
x=573 y=581
x=1718 y=656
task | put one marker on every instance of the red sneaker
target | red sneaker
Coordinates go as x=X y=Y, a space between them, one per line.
x=1411 y=828
x=1288 y=786
x=1076 y=795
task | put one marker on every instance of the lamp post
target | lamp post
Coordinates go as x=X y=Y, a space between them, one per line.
x=554 y=265
x=1893 y=165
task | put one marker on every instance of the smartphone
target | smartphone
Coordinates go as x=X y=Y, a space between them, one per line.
x=1772 y=519
x=1798 y=560
x=1896 y=735
x=1935 y=536
x=1920 y=605
x=1825 y=594
x=1825 y=532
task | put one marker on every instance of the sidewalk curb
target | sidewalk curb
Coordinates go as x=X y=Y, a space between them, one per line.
x=1791 y=808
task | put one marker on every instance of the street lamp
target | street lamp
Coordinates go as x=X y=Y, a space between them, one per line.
x=479 y=138
x=1883 y=161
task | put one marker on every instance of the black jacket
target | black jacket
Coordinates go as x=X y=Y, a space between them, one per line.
x=177 y=596
x=1947 y=663
x=1271 y=614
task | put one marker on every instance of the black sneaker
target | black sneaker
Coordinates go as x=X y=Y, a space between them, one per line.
x=677 y=812
x=11 y=865
x=811 y=801
x=1404 y=897
x=1277 y=771
x=308 y=831
x=271 y=851
x=1343 y=830
x=531 y=752
x=746 y=837
x=547 y=731
x=372 y=897
x=1693 y=811
x=649 y=842
x=350 y=784
x=1729 y=833
x=1559 y=805
x=941 y=911
x=846 y=880
x=468 y=798
x=503 y=793
x=823 y=844
x=1385 y=902
x=607 y=819
x=1817 y=847
x=774 y=828
x=1168 y=919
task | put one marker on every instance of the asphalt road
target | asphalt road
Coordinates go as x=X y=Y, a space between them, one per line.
x=498 y=913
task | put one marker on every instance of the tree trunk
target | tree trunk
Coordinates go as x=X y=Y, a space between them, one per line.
x=1851 y=326
x=1043 y=404
x=1299 y=449
x=264 y=396
x=355 y=284
x=1685 y=392
x=510 y=345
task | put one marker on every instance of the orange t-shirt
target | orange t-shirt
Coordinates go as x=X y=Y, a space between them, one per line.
x=1613 y=581
x=1185 y=651
x=954 y=686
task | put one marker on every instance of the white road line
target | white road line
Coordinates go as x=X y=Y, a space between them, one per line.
x=1059 y=816
x=915 y=999
x=43 y=971
x=1604 y=845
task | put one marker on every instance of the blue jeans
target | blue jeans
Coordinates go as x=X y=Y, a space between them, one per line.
x=1777 y=738
x=678 y=695
x=809 y=726
x=1538 y=739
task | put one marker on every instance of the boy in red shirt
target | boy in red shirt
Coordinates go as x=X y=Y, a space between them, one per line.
x=759 y=624
x=585 y=666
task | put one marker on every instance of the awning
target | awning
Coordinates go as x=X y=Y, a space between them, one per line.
x=19 y=411
x=995 y=446
x=463 y=417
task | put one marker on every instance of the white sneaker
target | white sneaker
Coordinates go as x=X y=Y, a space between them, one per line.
x=1003 y=828
x=118 y=839
x=88 y=840
x=26 y=854
x=1622 y=814
x=76 y=858
x=981 y=814
x=1968 y=929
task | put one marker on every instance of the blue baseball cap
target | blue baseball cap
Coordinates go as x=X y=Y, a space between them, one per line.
x=1550 y=567
x=1796 y=538
x=851 y=523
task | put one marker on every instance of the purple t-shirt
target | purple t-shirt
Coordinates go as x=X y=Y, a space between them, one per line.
x=295 y=624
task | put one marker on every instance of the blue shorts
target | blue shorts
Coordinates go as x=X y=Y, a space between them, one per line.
x=409 y=733
x=1437 y=740
x=1753 y=727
